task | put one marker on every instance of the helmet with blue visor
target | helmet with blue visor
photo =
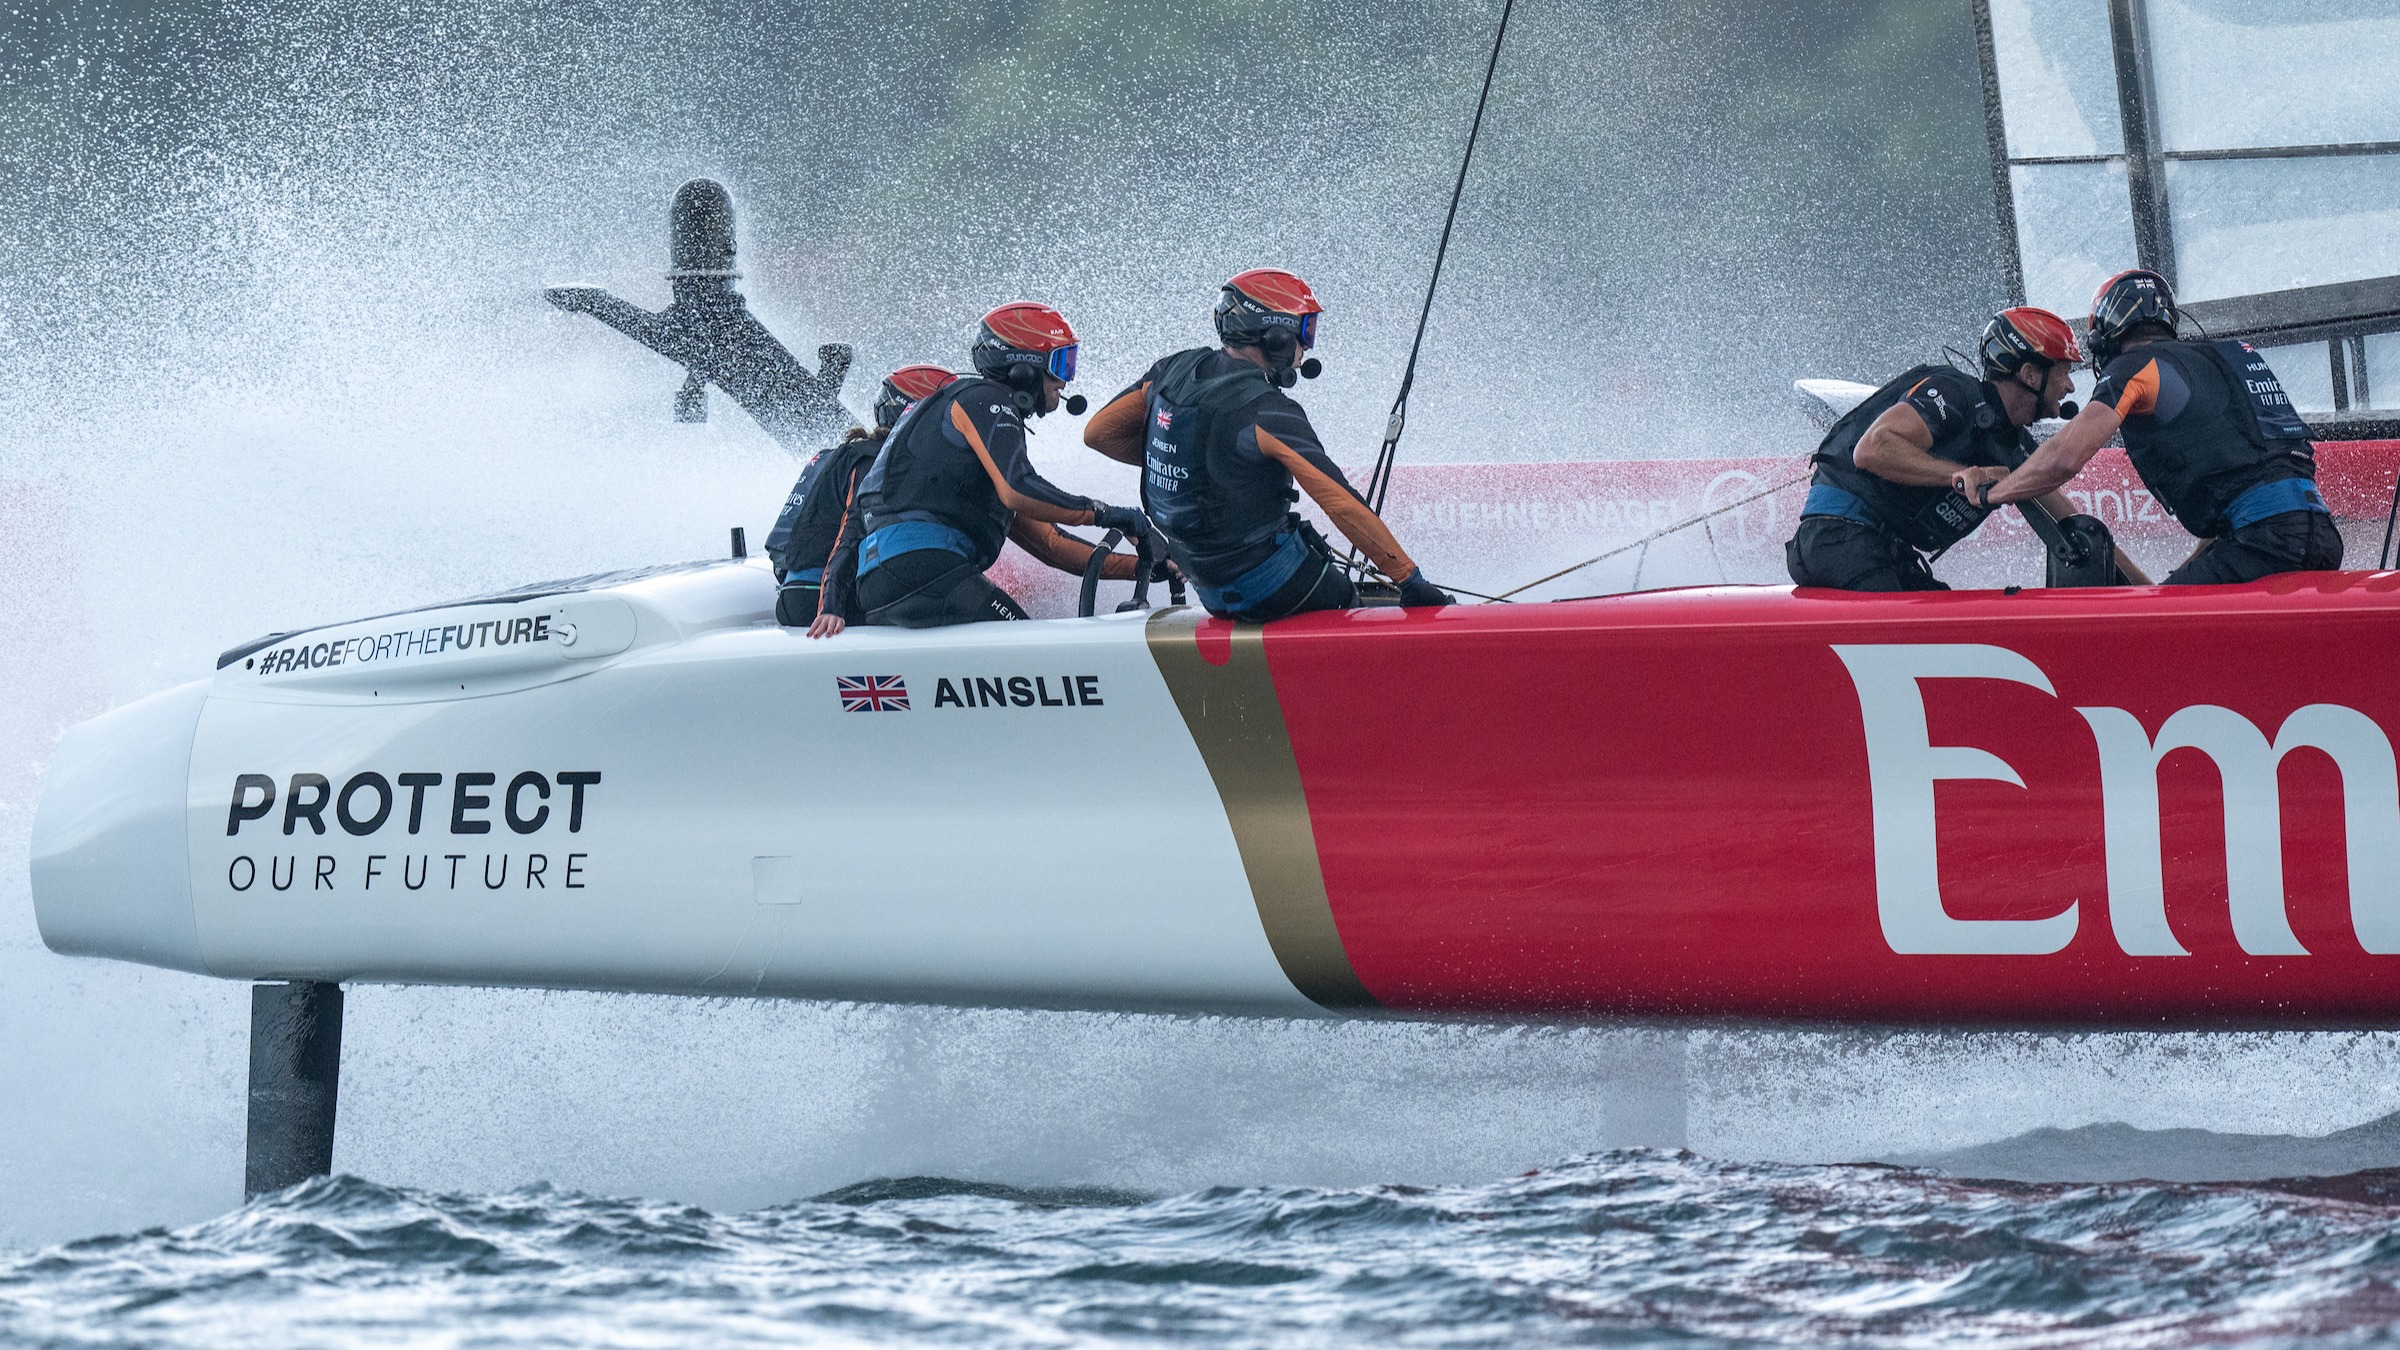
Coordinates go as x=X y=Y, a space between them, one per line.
x=1274 y=311
x=1022 y=341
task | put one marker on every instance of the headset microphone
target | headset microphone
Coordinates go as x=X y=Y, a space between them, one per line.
x=2067 y=408
x=1075 y=404
x=1311 y=368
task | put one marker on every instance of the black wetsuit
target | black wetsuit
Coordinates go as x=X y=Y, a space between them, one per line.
x=951 y=485
x=1224 y=455
x=1859 y=532
x=2214 y=437
x=810 y=529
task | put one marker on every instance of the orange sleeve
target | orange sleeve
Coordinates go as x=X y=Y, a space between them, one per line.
x=1009 y=496
x=2141 y=392
x=1064 y=551
x=1349 y=515
x=1116 y=430
x=841 y=533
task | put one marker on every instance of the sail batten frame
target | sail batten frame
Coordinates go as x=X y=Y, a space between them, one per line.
x=2249 y=153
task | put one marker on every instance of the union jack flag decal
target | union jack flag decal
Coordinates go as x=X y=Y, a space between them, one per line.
x=872 y=693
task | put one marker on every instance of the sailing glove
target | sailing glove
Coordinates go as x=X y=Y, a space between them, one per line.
x=1418 y=591
x=1134 y=524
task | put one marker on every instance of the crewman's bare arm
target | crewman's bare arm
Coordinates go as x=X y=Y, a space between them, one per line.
x=1899 y=449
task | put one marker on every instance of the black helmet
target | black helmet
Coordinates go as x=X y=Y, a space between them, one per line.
x=2137 y=296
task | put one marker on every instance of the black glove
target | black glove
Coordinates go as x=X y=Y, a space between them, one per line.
x=1417 y=591
x=1134 y=524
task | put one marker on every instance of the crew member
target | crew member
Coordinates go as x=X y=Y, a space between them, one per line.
x=953 y=482
x=811 y=528
x=1221 y=445
x=2207 y=426
x=1881 y=499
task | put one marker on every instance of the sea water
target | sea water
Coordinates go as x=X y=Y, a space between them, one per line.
x=1626 y=1248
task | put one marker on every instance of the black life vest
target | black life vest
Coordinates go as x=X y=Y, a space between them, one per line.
x=1927 y=518
x=1222 y=511
x=2237 y=432
x=811 y=520
x=920 y=475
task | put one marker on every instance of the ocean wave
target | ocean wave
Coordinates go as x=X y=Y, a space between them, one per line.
x=1629 y=1248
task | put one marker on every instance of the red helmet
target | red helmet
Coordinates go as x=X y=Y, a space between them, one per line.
x=905 y=386
x=1024 y=338
x=2017 y=336
x=1265 y=301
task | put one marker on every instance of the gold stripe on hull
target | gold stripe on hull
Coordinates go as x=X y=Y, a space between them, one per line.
x=1237 y=722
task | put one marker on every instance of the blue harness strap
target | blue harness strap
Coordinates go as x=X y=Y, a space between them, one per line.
x=806 y=576
x=1824 y=499
x=2281 y=497
x=1239 y=594
x=910 y=536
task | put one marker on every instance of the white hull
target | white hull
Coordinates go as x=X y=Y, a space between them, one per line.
x=747 y=834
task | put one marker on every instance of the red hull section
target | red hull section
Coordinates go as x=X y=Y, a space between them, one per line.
x=1736 y=803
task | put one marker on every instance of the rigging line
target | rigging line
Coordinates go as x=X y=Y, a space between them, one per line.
x=2383 y=556
x=1357 y=571
x=1645 y=541
x=1380 y=481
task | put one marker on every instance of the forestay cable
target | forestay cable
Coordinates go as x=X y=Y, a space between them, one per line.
x=1380 y=481
x=1655 y=535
